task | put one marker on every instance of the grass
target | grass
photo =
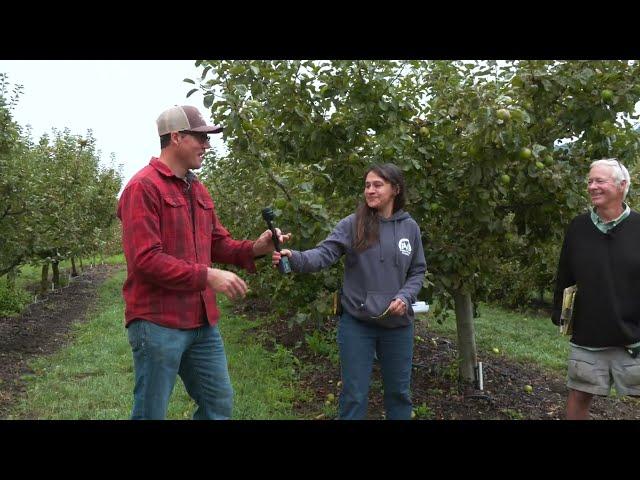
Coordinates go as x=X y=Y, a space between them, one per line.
x=15 y=297
x=30 y=274
x=523 y=337
x=93 y=377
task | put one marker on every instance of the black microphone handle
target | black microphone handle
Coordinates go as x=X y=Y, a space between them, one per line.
x=283 y=266
x=274 y=236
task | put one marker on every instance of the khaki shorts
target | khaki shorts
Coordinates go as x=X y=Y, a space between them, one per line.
x=595 y=371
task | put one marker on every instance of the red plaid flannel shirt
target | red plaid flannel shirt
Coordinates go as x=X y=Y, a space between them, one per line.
x=168 y=248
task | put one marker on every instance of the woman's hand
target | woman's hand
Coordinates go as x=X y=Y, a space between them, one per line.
x=397 y=307
x=276 y=256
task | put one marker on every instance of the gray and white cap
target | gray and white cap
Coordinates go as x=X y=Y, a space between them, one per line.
x=185 y=117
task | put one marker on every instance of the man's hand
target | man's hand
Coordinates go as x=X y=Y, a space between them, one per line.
x=276 y=256
x=264 y=244
x=397 y=307
x=226 y=282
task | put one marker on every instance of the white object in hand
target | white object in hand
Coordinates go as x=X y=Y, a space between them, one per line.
x=420 y=307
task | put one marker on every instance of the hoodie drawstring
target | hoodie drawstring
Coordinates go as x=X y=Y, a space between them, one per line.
x=395 y=220
x=395 y=242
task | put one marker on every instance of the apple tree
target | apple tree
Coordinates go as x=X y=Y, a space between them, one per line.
x=476 y=141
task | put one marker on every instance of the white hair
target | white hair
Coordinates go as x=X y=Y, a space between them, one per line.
x=619 y=171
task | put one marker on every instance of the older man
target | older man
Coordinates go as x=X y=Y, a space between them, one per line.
x=601 y=255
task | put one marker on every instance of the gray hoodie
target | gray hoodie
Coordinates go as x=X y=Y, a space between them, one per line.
x=392 y=268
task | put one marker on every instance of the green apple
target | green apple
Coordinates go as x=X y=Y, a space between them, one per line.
x=606 y=95
x=525 y=153
x=503 y=114
x=495 y=350
x=505 y=179
x=424 y=131
x=330 y=397
x=528 y=388
x=539 y=165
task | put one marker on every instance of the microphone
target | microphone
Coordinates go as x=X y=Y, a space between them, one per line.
x=268 y=215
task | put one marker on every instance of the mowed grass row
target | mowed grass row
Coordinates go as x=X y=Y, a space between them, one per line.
x=30 y=274
x=92 y=378
x=528 y=337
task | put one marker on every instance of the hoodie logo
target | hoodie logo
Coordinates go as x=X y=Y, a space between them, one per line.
x=404 y=246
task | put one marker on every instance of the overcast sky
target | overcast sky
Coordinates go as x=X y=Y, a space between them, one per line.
x=119 y=100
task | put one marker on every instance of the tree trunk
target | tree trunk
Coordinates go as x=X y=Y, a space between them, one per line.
x=467 y=353
x=74 y=272
x=541 y=295
x=44 y=283
x=81 y=266
x=55 y=274
x=11 y=279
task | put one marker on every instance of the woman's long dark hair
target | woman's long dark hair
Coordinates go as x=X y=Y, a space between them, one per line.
x=367 y=217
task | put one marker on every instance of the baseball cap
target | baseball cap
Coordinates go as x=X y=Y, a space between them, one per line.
x=185 y=117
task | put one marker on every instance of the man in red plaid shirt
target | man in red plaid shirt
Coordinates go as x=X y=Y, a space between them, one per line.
x=171 y=235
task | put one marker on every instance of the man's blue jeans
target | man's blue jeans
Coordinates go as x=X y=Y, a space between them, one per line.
x=160 y=353
x=358 y=343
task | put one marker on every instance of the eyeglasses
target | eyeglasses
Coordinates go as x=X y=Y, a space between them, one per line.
x=201 y=137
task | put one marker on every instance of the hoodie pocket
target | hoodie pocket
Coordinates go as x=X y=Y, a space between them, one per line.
x=376 y=303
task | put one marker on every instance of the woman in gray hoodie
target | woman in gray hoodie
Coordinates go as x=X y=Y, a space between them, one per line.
x=383 y=273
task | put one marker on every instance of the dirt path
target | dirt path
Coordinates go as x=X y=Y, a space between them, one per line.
x=42 y=329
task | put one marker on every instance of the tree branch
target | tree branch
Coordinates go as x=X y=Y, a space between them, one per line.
x=279 y=183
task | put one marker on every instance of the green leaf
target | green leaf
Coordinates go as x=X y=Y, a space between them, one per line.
x=188 y=80
x=517 y=82
x=204 y=72
x=585 y=75
x=537 y=149
x=191 y=92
